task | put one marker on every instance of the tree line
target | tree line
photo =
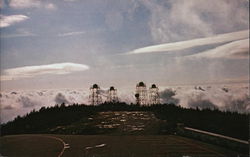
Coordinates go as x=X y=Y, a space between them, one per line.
x=231 y=124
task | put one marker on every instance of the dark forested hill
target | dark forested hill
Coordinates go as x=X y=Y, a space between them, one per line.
x=78 y=119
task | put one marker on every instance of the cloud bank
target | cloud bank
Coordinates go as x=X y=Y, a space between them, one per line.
x=21 y=102
x=226 y=98
x=32 y=71
x=6 y=21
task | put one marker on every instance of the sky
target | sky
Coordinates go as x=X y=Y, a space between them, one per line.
x=52 y=44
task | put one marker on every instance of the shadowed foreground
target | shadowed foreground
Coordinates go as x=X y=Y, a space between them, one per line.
x=120 y=130
x=108 y=146
x=30 y=146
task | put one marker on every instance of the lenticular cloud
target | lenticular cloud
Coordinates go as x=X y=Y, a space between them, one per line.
x=31 y=71
x=220 y=38
x=11 y=19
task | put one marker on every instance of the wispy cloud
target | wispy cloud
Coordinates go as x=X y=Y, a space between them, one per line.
x=70 y=0
x=6 y=21
x=191 y=19
x=221 y=38
x=71 y=34
x=50 y=6
x=20 y=4
x=32 y=71
x=24 y=3
x=19 y=33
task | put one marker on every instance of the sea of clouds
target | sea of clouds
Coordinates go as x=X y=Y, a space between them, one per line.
x=222 y=97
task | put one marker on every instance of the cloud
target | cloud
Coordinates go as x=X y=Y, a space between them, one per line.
x=24 y=3
x=223 y=101
x=167 y=96
x=194 y=19
x=18 y=33
x=114 y=20
x=237 y=49
x=2 y=3
x=200 y=102
x=240 y=105
x=27 y=102
x=71 y=34
x=60 y=98
x=6 y=21
x=221 y=38
x=236 y=99
x=32 y=71
x=50 y=6
x=8 y=107
x=21 y=4
x=243 y=79
x=70 y=0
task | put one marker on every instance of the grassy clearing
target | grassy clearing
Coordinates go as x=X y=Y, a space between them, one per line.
x=115 y=123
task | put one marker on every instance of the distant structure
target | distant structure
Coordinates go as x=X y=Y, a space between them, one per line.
x=154 y=97
x=141 y=94
x=95 y=97
x=112 y=95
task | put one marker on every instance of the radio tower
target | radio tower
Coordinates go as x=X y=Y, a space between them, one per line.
x=154 y=97
x=95 y=97
x=112 y=95
x=141 y=94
